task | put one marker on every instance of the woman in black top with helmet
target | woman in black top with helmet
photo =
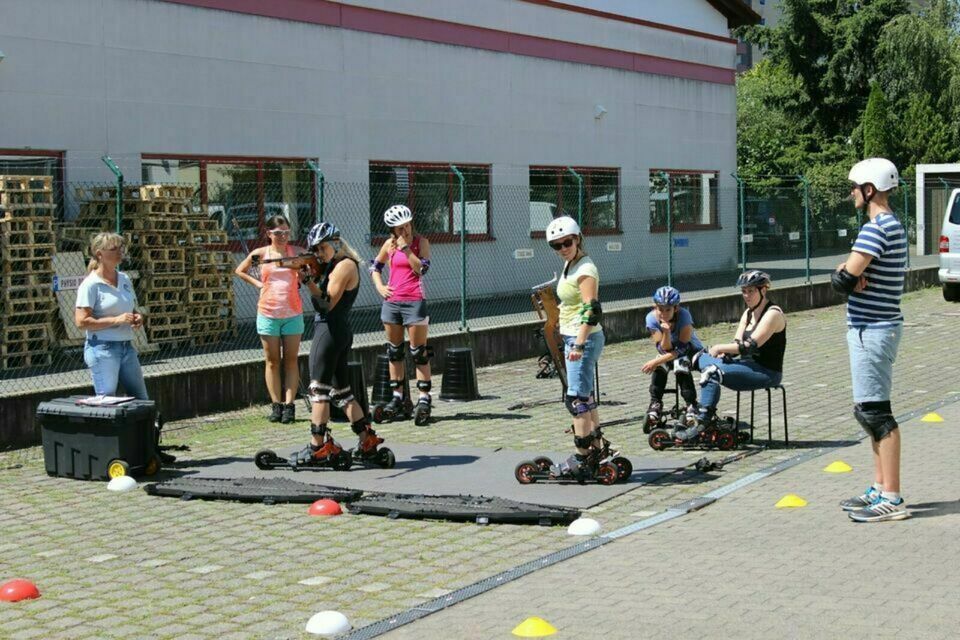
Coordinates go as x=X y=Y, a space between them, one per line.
x=760 y=342
x=333 y=295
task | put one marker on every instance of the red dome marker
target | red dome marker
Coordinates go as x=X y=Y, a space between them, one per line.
x=17 y=590
x=325 y=507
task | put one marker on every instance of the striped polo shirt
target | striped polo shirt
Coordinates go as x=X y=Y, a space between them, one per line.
x=885 y=240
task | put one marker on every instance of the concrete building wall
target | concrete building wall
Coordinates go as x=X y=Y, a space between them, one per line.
x=128 y=77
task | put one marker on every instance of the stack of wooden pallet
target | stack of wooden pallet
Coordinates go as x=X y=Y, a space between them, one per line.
x=27 y=245
x=184 y=267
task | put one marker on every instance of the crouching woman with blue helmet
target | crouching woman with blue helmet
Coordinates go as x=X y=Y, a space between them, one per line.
x=754 y=360
x=582 y=334
x=333 y=293
x=671 y=329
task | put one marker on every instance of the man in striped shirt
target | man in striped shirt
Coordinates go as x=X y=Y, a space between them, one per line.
x=872 y=277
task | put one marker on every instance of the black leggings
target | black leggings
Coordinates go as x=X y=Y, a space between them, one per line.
x=684 y=380
x=328 y=357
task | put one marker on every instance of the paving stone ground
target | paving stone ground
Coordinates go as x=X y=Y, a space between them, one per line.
x=130 y=565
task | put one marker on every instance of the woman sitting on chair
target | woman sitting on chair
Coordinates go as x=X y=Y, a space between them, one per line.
x=760 y=341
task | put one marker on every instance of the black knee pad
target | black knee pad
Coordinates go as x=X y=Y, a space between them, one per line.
x=318 y=392
x=342 y=397
x=424 y=385
x=583 y=442
x=395 y=352
x=876 y=418
x=421 y=354
x=360 y=426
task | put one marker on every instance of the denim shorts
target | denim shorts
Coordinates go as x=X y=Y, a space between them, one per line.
x=580 y=373
x=113 y=363
x=873 y=351
x=404 y=313
x=292 y=326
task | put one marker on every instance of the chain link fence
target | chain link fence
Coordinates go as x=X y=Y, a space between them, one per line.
x=184 y=241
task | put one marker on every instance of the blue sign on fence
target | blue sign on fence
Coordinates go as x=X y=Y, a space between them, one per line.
x=681 y=242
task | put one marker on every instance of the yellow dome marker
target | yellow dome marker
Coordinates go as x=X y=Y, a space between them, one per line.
x=790 y=501
x=838 y=467
x=931 y=417
x=534 y=628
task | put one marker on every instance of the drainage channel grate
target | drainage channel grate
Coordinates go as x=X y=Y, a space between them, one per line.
x=266 y=490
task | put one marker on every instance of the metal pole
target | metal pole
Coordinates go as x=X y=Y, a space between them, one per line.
x=666 y=176
x=319 y=180
x=806 y=222
x=116 y=171
x=906 y=206
x=579 y=195
x=463 y=249
x=743 y=245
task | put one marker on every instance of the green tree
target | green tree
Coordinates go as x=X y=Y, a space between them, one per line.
x=926 y=135
x=879 y=138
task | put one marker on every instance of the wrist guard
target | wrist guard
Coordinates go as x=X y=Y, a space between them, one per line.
x=424 y=266
x=747 y=347
x=843 y=282
x=376 y=266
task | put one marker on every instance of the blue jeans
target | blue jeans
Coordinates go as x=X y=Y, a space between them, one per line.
x=739 y=375
x=580 y=373
x=873 y=351
x=112 y=363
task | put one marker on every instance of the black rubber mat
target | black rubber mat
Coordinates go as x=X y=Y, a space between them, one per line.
x=266 y=490
x=478 y=509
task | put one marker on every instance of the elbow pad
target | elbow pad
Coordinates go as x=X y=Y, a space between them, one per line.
x=376 y=266
x=747 y=347
x=591 y=313
x=843 y=282
x=424 y=266
x=320 y=304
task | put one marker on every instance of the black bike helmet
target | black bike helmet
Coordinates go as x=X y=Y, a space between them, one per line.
x=753 y=279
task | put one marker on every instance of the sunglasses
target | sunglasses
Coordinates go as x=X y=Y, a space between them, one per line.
x=556 y=246
x=279 y=232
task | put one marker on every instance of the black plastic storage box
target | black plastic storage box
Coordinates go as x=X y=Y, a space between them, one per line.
x=104 y=442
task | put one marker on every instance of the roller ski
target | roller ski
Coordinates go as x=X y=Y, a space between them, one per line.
x=368 y=451
x=328 y=455
x=398 y=408
x=707 y=432
x=601 y=465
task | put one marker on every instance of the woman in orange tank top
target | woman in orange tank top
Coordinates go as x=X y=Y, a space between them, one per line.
x=279 y=317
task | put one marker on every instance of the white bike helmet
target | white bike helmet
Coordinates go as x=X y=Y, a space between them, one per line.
x=879 y=172
x=397 y=215
x=562 y=227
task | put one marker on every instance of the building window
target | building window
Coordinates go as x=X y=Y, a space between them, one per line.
x=432 y=191
x=692 y=196
x=240 y=192
x=555 y=191
x=14 y=162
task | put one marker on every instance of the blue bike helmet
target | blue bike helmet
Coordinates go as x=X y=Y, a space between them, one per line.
x=666 y=296
x=322 y=232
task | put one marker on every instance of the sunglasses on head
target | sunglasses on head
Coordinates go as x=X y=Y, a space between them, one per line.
x=556 y=246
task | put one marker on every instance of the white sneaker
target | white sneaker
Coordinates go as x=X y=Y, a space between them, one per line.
x=881 y=511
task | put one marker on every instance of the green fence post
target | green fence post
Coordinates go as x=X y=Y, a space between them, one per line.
x=666 y=176
x=906 y=210
x=116 y=171
x=579 y=195
x=743 y=245
x=318 y=177
x=463 y=249
x=806 y=222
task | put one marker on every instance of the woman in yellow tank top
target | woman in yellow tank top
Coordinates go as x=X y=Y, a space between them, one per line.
x=279 y=317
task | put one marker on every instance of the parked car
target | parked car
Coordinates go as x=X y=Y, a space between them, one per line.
x=949 y=272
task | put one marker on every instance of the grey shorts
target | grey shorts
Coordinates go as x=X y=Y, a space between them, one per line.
x=404 y=313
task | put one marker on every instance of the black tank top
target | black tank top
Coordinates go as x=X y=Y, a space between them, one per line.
x=770 y=354
x=338 y=318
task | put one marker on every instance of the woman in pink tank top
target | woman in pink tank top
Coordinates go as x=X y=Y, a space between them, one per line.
x=407 y=256
x=279 y=317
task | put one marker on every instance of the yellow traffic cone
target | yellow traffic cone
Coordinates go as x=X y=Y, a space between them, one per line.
x=791 y=501
x=931 y=417
x=534 y=628
x=838 y=467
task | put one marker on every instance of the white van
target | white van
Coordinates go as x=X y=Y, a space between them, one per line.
x=949 y=272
